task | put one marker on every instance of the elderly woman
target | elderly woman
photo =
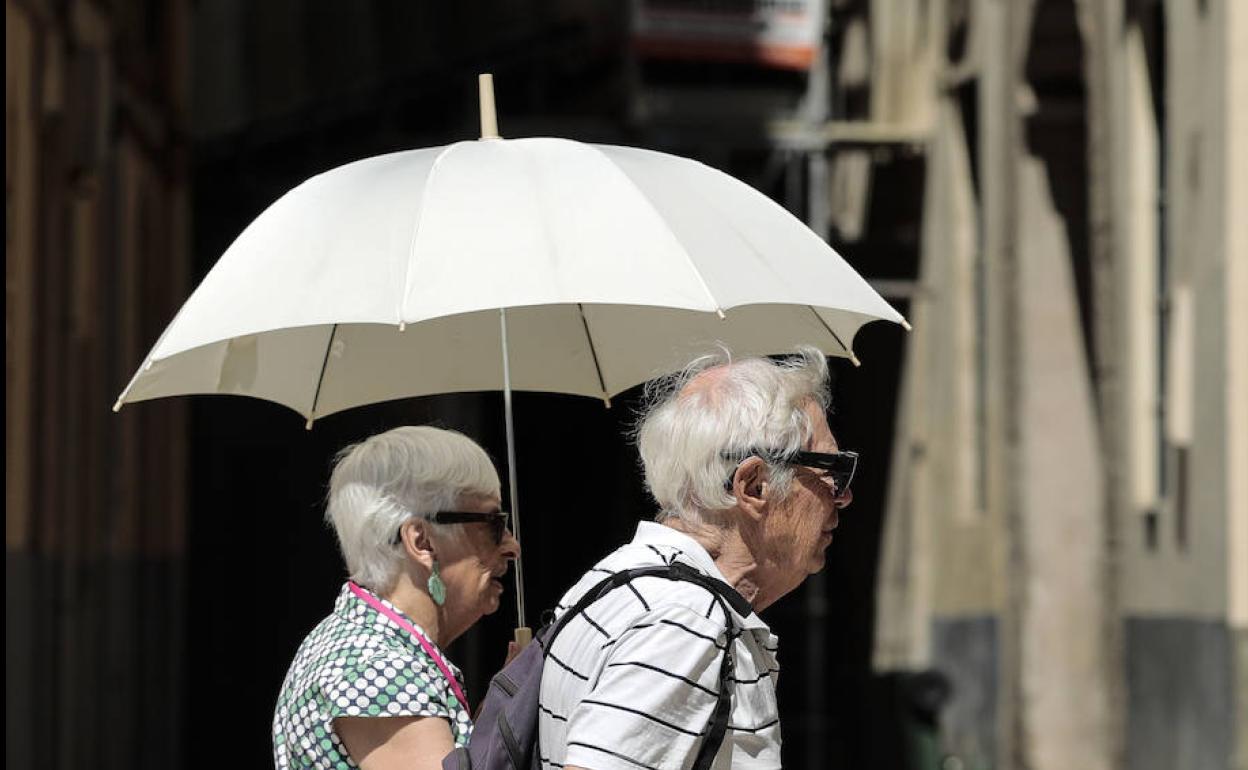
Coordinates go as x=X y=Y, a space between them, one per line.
x=416 y=511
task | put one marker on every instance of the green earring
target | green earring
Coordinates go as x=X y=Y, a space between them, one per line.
x=437 y=589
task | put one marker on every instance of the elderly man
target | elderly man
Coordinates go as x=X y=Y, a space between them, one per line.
x=739 y=456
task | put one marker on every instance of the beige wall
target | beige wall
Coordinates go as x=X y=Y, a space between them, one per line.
x=1235 y=99
x=1058 y=555
x=1191 y=579
x=964 y=530
x=940 y=555
x=1065 y=679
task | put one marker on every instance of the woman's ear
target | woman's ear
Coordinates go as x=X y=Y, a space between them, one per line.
x=417 y=543
x=749 y=487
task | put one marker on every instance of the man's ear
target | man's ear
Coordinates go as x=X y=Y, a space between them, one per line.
x=417 y=545
x=749 y=487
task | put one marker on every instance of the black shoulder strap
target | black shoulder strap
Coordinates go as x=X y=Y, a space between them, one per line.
x=725 y=594
x=718 y=725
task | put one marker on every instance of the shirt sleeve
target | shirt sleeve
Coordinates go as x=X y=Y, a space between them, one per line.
x=385 y=686
x=655 y=695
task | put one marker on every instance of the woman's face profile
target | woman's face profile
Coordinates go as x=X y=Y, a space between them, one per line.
x=474 y=566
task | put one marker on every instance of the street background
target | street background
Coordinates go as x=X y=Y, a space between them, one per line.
x=1046 y=562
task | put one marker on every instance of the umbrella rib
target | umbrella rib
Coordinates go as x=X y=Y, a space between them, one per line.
x=853 y=358
x=316 y=397
x=420 y=221
x=693 y=266
x=593 y=352
x=729 y=222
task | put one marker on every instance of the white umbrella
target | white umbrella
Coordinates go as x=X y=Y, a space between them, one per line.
x=529 y=264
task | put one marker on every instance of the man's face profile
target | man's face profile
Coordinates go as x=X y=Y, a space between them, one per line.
x=799 y=528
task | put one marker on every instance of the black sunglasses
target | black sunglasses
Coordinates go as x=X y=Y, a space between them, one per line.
x=840 y=466
x=497 y=520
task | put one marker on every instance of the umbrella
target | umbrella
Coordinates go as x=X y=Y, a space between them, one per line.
x=537 y=264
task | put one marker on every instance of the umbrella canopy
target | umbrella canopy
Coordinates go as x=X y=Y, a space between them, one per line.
x=531 y=264
x=383 y=279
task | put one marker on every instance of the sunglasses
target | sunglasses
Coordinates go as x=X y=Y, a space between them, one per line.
x=497 y=520
x=839 y=466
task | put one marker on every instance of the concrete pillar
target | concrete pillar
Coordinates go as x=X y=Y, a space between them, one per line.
x=1235 y=101
x=1064 y=680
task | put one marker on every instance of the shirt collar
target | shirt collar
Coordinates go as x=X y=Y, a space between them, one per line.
x=653 y=533
x=355 y=610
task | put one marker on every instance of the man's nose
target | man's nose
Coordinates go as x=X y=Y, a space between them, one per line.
x=843 y=499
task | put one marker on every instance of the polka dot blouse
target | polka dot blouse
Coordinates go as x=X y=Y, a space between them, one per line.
x=357 y=663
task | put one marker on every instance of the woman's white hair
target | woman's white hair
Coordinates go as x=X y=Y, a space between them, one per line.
x=385 y=479
x=692 y=436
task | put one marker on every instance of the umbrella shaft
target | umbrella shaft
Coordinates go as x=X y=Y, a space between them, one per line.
x=511 y=464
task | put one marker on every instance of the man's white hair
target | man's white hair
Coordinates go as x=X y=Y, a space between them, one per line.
x=691 y=439
x=382 y=481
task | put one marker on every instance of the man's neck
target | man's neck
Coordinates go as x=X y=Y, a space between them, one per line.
x=731 y=555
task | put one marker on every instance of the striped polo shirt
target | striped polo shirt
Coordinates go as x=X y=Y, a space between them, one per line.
x=632 y=682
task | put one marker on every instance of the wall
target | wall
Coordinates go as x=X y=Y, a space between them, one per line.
x=95 y=263
x=1087 y=342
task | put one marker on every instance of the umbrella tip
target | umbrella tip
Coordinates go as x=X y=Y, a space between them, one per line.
x=906 y=325
x=853 y=359
x=720 y=313
x=117 y=406
x=489 y=117
x=606 y=401
x=402 y=326
x=308 y=425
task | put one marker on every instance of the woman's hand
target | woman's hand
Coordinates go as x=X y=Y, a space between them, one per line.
x=513 y=650
x=383 y=743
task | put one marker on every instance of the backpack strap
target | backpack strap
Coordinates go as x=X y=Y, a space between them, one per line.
x=724 y=594
x=673 y=571
x=718 y=725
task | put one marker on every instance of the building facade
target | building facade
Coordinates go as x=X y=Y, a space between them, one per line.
x=1067 y=531
x=1054 y=191
x=96 y=261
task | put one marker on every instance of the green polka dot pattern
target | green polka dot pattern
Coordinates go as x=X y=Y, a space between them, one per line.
x=357 y=662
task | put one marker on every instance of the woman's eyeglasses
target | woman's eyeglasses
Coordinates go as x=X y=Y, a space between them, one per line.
x=839 y=466
x=497 y=520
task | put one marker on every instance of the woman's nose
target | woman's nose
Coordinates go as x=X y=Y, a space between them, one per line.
x=510 y=547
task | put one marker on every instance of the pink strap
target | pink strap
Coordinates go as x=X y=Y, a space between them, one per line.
x=425 y=643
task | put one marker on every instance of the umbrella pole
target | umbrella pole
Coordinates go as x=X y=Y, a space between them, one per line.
x=523 y=633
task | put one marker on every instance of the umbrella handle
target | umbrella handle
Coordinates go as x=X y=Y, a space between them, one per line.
x=523 y=635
